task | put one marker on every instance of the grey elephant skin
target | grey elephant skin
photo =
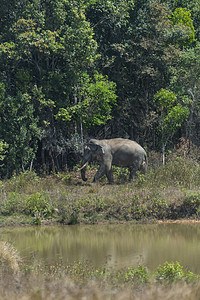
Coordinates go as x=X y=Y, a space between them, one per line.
x=118 y=152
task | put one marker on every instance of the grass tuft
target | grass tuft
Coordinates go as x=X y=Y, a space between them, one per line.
x=9 y=258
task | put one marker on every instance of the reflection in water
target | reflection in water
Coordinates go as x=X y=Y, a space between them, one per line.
x=117 y=245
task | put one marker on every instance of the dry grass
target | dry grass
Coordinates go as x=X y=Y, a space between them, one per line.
x=41 y=289
x=9 y=258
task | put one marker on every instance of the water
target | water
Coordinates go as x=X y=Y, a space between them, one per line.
x=116 y=245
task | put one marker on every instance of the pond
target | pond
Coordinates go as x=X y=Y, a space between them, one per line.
x=116 y=246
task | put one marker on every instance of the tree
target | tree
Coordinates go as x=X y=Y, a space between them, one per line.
x=183 y=24
x=170 y=116
x=95 y=100
x=50 y=45
x=3 y=150
x=192 y=6
x=186 y=83
x=137 y=53
x=20 y=132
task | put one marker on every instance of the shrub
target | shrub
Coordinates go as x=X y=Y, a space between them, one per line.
x=68 y=211
x=13 y=203
x=159 y=208
x=178 y=171
x=191 y=203
x=121 y=174
x=137 y=275
x=169 y=272
x=21 y=181
x=37 y=204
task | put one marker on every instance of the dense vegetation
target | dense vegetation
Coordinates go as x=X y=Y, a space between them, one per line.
x=165 y=192
x=70 y=70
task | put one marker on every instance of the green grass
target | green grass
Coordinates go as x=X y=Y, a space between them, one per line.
x=165 y=192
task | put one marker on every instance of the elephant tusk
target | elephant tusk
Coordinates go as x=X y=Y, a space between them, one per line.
x=83 y=166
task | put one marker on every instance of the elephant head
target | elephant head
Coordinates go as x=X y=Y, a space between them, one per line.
x=93 y=151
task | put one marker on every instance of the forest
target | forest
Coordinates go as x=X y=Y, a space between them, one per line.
x=74 y=70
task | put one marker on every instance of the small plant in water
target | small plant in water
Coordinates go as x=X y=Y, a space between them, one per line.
x=137 y=275
x=169 y=273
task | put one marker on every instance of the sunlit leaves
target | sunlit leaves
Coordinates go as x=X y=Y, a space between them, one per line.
x=3 y=150
x=186 y=79
x=97 y=98
x=29 y=37
x=164 y=99
x=170 y=113
x=183 y=25
x=100 y=98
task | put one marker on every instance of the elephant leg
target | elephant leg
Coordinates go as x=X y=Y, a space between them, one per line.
x=132 y=173
x=104 y=169
x=101 y=171
x=109 y=175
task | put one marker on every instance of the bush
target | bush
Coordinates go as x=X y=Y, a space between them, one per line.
x=13 y=203
x=38 y=204
x=159 y=208
x=18 y=182
x=169 y=272
x=137 y=275
x=178 y=171
x=191 y=204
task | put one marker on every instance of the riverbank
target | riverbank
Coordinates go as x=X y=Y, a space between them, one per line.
x=166 y=193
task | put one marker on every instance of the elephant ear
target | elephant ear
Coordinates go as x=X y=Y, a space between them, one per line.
x=98 y=149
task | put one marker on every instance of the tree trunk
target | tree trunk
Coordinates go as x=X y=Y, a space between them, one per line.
x=163 y=154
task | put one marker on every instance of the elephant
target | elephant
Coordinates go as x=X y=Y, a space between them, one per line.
x=118 y=152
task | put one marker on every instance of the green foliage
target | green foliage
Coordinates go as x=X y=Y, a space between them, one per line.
x=20 y=181
x=121 y=174
x=39 y=207
x=191 y=204
x=171 y=115
x=92 y=68
x=98 y=96
x=3 y=150
x=181 y=18
x=137 y=275
x=178 y=171
x=173 y=272
x=175 y=118
x=165 y=99
x=20 y=130
x=35 y=205
x=159 y=208
x=167 y=192
x=38 y=204
x=169 y=272
x=49 y=46
x=64 y=177
x=12 y=205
